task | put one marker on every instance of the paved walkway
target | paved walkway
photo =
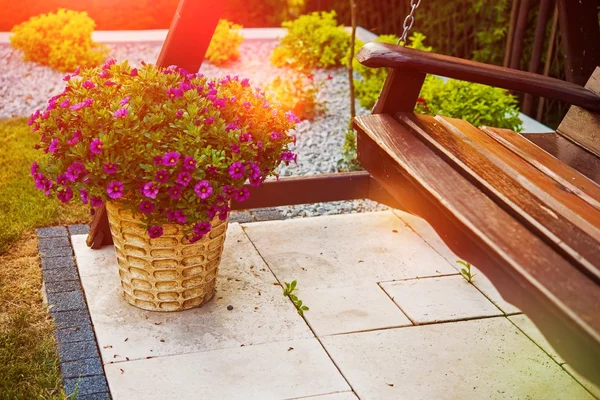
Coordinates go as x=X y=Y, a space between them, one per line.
x=389 y=318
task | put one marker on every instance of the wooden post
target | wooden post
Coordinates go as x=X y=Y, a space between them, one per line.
x=190 y=34
x=580 y=38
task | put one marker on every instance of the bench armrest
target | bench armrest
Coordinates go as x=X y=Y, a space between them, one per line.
x=379 y=55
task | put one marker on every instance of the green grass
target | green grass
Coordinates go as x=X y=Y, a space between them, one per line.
x=28 y=356
x=22 y=206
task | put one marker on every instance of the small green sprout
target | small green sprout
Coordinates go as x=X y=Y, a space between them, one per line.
x=288 y=291
x=466 y=271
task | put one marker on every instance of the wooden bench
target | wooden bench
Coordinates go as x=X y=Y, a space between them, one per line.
x=529 y=221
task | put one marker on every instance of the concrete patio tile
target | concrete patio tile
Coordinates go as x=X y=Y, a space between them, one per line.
x=344 y=250
x=283 y=370
x=350 y=309
x=478 y=359
x=260 y=312
x=93 y=262
x=332 y=396
x=486 y=287
x=528 y=327
x=593 y=389
x=447 y=298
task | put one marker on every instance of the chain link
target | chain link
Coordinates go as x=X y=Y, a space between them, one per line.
x=409 y=21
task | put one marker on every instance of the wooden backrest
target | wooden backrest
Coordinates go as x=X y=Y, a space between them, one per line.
x=582 y=126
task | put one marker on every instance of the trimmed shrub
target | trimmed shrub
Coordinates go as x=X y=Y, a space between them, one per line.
x=225 y=43
x=62 y=40
x=312 y=41
x=299 y=93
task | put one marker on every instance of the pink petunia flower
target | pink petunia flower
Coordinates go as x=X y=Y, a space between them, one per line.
x=150 y=190
x=171 y=159
x=65 y=103
x=65 y=195
x=125 y=100
x=241 y=195
x=88 y=84
x=76 y=138
x=53 y=146
x=110 y=168
x=155 y=231
x=115 y=190
x=83 y=195
x=96 y=201
x=96 y=146
x=184 y=178
x=189 y=163
x=175 y=192
x=161 y=176
x=203 y=189
x=120 y=113
x=146 y=206
x=134 y=72
x=236 y=170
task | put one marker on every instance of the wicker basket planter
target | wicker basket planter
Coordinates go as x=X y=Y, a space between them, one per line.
x=167 y=273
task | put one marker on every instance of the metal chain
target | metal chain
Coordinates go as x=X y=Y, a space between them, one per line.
x=409 y=21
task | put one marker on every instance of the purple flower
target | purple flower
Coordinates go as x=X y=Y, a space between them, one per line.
x=65 y=103
x=256 y=181
x=125 y=100
x=171 y=158
x=189 y=163
x=96 y=201
x=231 y=127
x=228 y=191
x=179 y=216
x=245 y=83
x=83 y=195
x=78 y=106
x=179 y=113
x=161 y=176
x=236 y=170
x=203 y=189
x=175 y=192
x=253 y=171
x=75 y=170
x=62 y=180
x=146 y=206
x=276 y=135
x=88 y=102
x=109 y=83
x=211 y=170
x=120 y=113
x=115 y=190
x=110 y=168
x=88 y=84
x=104 y=74
x=65 y=195
x=53 y=146
x=155 y=231
x=76 y=138
x=212 y=211
x=35 y=167
x=150 y=190
x=247 y=105
x=134 y=72
x=201 y=229
x=223 y=212
x=288 y=156
x=209 y=121
x=241 y=195
x=157 y=160
x=184 y=178
x=235 y=148
x=96 y=146
x=291 y=117
x=174 y=93
x=67 y=78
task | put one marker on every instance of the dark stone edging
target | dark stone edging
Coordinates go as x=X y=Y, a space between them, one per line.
x=79 y=358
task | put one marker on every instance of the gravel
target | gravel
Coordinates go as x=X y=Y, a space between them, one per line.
x=26 y=86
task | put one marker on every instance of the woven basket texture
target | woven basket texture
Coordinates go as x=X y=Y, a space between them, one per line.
x=167 y=273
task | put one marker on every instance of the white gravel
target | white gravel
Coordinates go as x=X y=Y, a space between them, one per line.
x=26 y=86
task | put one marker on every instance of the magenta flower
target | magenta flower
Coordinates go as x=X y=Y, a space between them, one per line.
x=96 y=201
x=228 y=191
x=158 y=160
x=171 y=158
x=203 y=189
x=53 y=146
x=120 y=113
x=88 y=102
x=201 y=229
x=76 y=138
x=65 y=103
x=62 y=180
x=78 y=106
x=236 y=170
x=212 y=211
x=161 y=176
x=109 y=83
x=75 y=170
x=253 y=171
x=189 y=163
x=175 y=192
x=88 y=84
x=223 y=212
x=247 y=105
x=134 y=72
x=241 y=195
x=146 y=206
x=67 y=78
x=110 y=168
x=125 y=100
x=150 y=190
x=104 y=74
x=83 y=195
x=211 y=170
x=35 y=168
x=235 y=148
x=276 y=135
x=65 y=195
x=291 y=117
x=209 y=121
x=174 y=93
x=96 y=146
x=179 y=113
x=179 y=216
x=155 y=231
x=245 y=83
x=288 y=156
x=115 y=190
x=231 y=127
x=184 y=178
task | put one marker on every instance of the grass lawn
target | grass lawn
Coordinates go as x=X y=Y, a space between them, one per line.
x=28 y=356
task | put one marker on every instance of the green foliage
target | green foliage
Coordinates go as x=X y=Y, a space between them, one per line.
x=288 y=291
x=298 y=92
x=225 y=43
x=490 y=40
x=466 y=271
x=349 y=161
x=162 y=139
x=62 y=40
x=312 y=41
x=475 y=103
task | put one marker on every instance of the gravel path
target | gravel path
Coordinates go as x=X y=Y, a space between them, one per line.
x=26 y=86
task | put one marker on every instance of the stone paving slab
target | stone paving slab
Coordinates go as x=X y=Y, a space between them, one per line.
x=447 y=298
x=283 y=370
x=593 y=389
x=528 y=328
x=344 y=250
x=478 y=359
x=350 y=309
x=333 y=396
x=260 y=312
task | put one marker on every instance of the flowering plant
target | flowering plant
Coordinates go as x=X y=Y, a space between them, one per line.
x=172 y=146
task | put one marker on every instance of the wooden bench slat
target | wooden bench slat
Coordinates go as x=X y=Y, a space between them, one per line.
x=496 y=178
x=525 y=269
x=576 y=182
